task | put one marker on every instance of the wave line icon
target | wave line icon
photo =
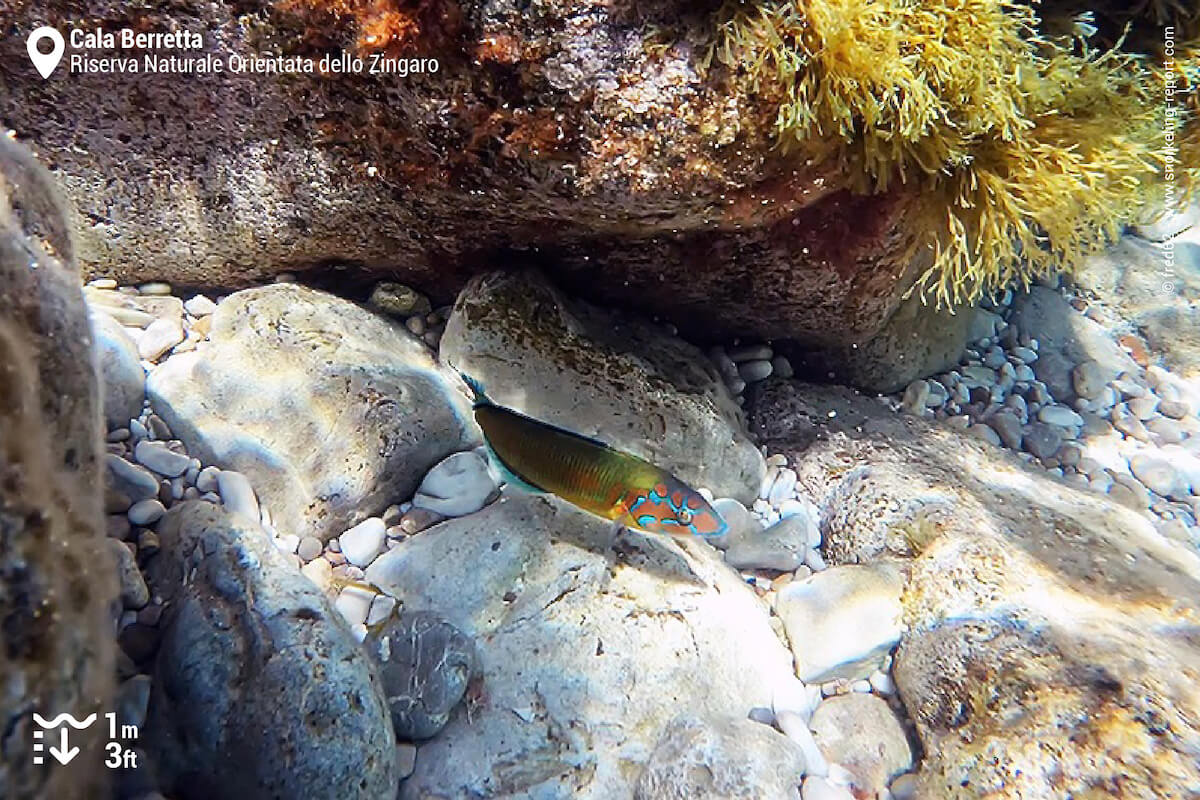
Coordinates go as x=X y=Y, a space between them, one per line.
x=70 y=720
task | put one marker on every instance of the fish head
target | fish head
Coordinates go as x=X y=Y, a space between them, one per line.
x=673 y=507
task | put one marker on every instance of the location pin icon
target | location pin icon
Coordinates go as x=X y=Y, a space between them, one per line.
x=45 y=62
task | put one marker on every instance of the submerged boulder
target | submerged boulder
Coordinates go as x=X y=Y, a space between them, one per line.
x=368 y=410
x=615 y=377
x=1050 y=636
x=57 y=577
x=260 y=689
x=585 y=656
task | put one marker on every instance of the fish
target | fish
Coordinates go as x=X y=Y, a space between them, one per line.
x=540 y=457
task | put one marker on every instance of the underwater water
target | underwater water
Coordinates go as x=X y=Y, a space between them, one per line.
x=768 y=399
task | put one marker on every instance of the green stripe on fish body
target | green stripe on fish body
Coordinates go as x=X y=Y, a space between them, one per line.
x=590 y=474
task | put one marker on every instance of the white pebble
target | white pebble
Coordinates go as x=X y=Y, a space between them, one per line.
x=381 y=608
x=354 y=603
x=882 y=682
x=782 y=487
x=862 y=686
x=904 y=787
x=751 y=371
x=817 y=788
x=237 y=494
x=363 y=543
x=288 y=543
x=814 y=561
x=206 y=480
x=199 y=306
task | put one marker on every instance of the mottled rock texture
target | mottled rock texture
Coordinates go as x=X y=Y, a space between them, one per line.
x=369 y=410
x=1051 y=643
x=260 y=690
x=586 y=136
x=56 y=580
x=616 y=377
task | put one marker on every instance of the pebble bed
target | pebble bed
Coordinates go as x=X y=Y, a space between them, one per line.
x=1133 y=437
x=148 y=471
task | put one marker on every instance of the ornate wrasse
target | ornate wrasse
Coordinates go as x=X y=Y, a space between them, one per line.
x=590 y=474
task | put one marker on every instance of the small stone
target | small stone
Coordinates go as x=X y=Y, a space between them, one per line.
x=994 y=358
x=287 y=543
x=415 y=325
x=425 y=664
x=159 y=337
x=134 y=593
x=406 y=760
x=158 y=427
x=1042 y=439
x=147 y=543
x=915 y=397
x=1175 y=409
x=133 y=698
x=1008 y=428
x=117 y=526
x=392 y=515
x=904 y=787
x=381 y=608
x=354 y=603
x=781 y=367
x=860 y=733
x=206 y=480
x=1027 y=354
x=398 y=300
x=1130 y=493
x=882 y=683
x=781 y=547
x=156 y=457
x=1061 y=416
x=842 y=621
x=817 y=788
x=155 y=289
x=985 y=433
x=309 y=548
x=416 y=520
x=138 y=641
x=814 y=560
x=751 y=371
x=132 y=481
x=795 y=727
x=458 y=485
x=1160 y=476
x=782 y=487
x=363 y=543
x=146 y=512
x=199 y=306
x=1124 y=420
x=320 y=572
x=237 y=495
x=1143 y=407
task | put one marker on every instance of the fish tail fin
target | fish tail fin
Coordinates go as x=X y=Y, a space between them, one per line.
x=476 y=388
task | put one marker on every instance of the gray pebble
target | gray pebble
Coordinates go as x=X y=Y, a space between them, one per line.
x=1026 y=354
x=916 y=394
x=751 y=371
x=206 y=480
x=309 y=548
x=1129 y=492
x=138 y=430
x=1175 y=409
x=994 y=358
x=1168 y=430
x=1160 y=476
x=134 y=593
x=1143 y=407
x=1128 y=387
x=1060 y=416
x=133 y=481
x=1008 y=428
x=415 y=325
x=1127 y=423
x=1042 y=439
x=985 y=433
x=146 y=512
x=1089 y=379
x=160 y=459
x=752 y=352
x=781 y=367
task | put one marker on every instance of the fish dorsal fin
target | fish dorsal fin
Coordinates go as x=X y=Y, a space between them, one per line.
x=480 y=396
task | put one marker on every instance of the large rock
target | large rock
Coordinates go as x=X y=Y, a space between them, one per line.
x=918 y=340
x=1032 y=608
x=616 y=377
x=260 y=690
x=582 y=664
x=57 y=579
x=716 y=759
x=591 y=136
x=367 y=410
x=121 y=373
x=859 y=732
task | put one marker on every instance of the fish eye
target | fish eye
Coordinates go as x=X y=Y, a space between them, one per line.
x=684 y=517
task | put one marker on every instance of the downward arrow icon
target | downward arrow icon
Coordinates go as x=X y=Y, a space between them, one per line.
x=62 y=752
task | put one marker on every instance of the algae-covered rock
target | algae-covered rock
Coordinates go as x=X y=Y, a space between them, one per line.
x=260 y=689
x=57 y=579
x=368 y=409
x=615 y=377
x=1051 y=642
